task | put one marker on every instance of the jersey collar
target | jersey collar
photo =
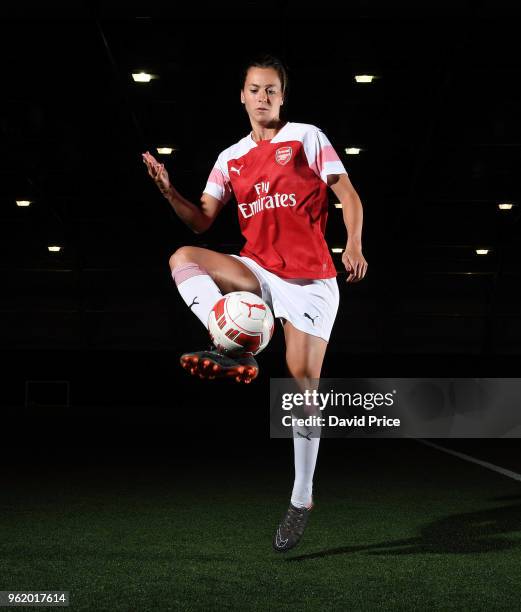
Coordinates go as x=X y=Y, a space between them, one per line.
x=269 y=141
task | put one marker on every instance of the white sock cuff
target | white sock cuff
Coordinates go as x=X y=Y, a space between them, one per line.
x=186 y=271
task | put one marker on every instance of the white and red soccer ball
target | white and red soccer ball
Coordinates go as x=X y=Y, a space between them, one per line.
x=240 y=322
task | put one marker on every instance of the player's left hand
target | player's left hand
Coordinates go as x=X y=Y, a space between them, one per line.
x=355 y=263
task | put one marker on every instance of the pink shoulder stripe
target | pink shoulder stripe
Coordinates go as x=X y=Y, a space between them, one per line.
x=217 y=177
x=326 y=154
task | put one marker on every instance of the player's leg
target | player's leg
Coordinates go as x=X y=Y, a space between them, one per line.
x=304 y=354
x=202 y=276
x=304 y=358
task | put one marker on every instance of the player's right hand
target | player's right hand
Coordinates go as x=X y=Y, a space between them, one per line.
x=157 y=171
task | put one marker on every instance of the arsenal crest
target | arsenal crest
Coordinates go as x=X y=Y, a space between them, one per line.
x=283 y=155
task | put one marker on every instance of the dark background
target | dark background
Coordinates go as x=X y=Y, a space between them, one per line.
x=441 y=136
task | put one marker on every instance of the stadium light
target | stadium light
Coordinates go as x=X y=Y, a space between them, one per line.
x=54 y=248
x=337 y=250
x=352 y=150
x=141 y=77
x=338 y=204
x=23 y=202
x=505 y=206
x=164 y=150
x=482 y=251
x=364 y=78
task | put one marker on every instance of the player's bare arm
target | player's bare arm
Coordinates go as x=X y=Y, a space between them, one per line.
x=352 y=212
x=197 y=218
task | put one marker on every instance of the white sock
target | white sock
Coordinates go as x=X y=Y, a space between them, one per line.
x=306 y=450
x=197 y=288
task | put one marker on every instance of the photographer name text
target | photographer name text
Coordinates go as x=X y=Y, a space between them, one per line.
x=335 y=421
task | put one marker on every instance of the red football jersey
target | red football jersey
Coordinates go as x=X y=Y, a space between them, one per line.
x=281 y=190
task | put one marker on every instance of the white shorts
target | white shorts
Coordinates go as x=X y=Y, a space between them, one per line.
x=308 y=304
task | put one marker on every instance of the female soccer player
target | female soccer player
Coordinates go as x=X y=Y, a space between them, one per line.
x=279 y=174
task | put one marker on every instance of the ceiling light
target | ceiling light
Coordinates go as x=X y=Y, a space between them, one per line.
x=352 y=150
x=338 y=204
x=23 y=202
x=141 y=77
x=164 y=150
x=54 y=248
x=364 y=78
x=482 y=251
x=505 y=206
x=337 y=250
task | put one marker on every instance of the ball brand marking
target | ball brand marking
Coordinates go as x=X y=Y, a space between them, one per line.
x=250 y=306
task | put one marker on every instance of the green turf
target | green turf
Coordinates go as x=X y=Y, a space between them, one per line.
x=413 y=530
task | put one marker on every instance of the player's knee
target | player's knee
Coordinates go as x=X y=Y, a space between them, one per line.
x=183 y=255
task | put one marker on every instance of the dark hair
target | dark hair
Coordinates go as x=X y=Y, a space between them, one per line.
x=265 y=60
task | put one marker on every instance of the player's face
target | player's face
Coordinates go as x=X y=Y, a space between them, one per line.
x=262 y=95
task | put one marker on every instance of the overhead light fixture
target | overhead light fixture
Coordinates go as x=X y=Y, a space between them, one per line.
x=142 y=77
x=54 y=248
x=23 y=202
x=338 y=204
x=505 y=206
x=364 y=78
x=337 y=250
x=352 y=150
x=164 y=150
x=482 y=251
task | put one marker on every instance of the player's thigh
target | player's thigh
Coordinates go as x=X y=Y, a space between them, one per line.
x=304 y=352
x=228 y=272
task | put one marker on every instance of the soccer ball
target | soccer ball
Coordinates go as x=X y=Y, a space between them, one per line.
x=240 y=322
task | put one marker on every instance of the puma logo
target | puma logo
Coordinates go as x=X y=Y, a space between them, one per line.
x=304 y=436
x=238 y=170
x=193 y=303
x=312 y=319
x=250 y=306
